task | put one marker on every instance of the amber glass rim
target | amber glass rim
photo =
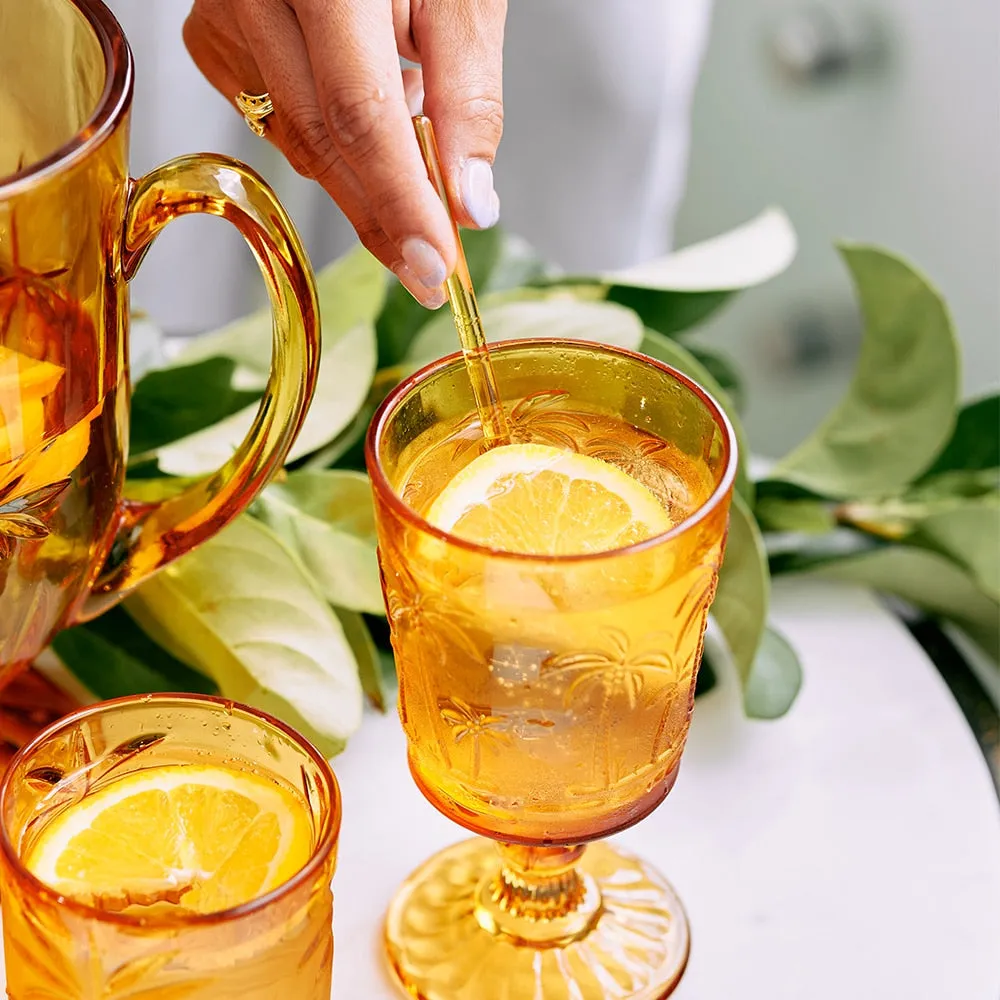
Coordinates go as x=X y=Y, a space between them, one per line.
x=113 y=102
x=392 y=499
x=325 y=841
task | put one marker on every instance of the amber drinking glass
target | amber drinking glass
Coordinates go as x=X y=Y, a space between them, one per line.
x=73 y=230
x=546 y=700
x=278 y=945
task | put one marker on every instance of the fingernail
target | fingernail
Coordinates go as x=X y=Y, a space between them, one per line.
x=424 y=262
x=429 y=298
x=478 y=196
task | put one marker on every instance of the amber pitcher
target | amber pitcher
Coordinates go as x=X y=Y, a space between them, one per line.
x=73 y=230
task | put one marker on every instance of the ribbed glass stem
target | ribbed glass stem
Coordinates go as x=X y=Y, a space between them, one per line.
x=538 y=883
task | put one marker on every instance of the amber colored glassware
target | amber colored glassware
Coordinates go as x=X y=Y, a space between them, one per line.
x=73 y=230
x=546 y=700
x=279 y=945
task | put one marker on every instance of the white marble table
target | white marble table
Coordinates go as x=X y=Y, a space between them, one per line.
x=851 y=849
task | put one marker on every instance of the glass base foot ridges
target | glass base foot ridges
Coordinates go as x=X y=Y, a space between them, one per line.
x=439 y=947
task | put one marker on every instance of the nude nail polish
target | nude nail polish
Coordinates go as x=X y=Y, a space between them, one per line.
x=429 y=298
x=478 y=195
x=424 y=262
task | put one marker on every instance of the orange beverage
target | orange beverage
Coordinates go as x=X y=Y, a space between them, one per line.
x=74 y=228
x=167 y=847
x=545 y=702
x=547 y=601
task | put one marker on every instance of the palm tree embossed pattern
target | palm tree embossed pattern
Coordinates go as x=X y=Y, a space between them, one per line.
x=546 y=680
x=541 y=700
x=478 y=727
x=613 y=680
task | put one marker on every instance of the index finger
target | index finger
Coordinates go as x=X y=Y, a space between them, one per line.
x=461 y=47
x=352 y=50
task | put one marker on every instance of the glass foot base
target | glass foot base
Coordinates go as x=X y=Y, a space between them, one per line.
x=442 y=943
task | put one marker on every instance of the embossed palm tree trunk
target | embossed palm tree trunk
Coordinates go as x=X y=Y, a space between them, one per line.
x=546 y=699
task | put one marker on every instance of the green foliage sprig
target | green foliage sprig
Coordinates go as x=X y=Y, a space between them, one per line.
x=899 y=488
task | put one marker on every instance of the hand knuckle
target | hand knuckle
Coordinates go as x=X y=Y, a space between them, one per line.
x=484 y=109
x=354 y=116
x=374 y=239
x=309 y=142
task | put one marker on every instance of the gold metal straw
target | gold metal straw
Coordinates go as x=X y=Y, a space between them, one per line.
x=464 y=307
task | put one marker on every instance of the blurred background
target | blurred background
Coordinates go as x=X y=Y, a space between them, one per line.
x=872 y=121
x=634 y=125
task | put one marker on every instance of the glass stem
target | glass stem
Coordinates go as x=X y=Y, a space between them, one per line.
x=538 y=883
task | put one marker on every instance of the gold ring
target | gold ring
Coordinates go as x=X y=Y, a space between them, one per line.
x=255 y=108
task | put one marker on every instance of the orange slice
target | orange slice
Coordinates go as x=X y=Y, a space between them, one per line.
x=25 y=376
x=532 y=498
x=198 y=837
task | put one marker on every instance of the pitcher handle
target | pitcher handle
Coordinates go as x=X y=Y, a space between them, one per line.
x=154 y=534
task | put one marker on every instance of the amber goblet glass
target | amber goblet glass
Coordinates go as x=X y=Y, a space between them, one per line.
x=546 y=700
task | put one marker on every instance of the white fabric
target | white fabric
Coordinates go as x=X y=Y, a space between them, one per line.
x=590 y=171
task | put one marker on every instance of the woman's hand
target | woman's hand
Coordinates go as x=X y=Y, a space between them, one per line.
x=341 y=114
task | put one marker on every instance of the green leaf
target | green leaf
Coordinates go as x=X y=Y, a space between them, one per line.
x=669 y=313
x=785 y=491
x=556 y=315
x=740 y=610
x=483 y=249
x=676 y=292
x=655 y=345
x=378 y=627
x=171 y=403
x=746 y=256
x=157 y=489
x=943 y=497
x=119 y=628
x=707 y=678
x=741 y=601
x=928 y=580
x=243 y=610
x=112 y=657
x=347 y=449
x=813 y=517
x=325 y=516
x=900 y=408
x=968 y=533
x=767 y=666
x=975 y=442
x=347 y=368
x=351 y=292
x=775 y=677
x=403 y=317
x=791 y=554
x=367 y=655
x=723 y=371
x=517 y=264
x=102 y=668
x=399 y=322
x=956 y=484
x=388 y=664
